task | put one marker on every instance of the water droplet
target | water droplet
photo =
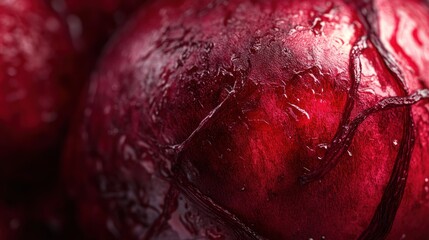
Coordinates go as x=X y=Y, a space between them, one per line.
x=317 y=26
x=323 y=145
x=395 y=142
x=300 y=110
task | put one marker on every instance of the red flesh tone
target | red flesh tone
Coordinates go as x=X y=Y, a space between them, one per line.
x=206 y=117
x=35 y=87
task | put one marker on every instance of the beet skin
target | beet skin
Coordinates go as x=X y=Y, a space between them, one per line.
x=262 y=119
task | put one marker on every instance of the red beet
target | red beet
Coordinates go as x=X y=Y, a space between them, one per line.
x=258 y=119
x=36 y=84
x=92 y=23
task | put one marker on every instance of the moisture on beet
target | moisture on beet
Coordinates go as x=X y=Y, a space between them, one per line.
x=262 y=119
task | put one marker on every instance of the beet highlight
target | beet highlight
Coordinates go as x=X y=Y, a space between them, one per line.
x=258 y=120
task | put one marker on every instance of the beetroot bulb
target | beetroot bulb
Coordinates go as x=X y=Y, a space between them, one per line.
x=92 y=23
x=36 y=85
x=258 y=120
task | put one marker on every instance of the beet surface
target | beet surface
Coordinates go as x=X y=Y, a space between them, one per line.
x=258 y=120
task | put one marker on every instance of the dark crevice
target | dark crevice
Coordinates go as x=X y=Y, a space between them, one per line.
x=220 y=215
x=342 y=139
x=346 y=133
x=176 y=174
x=384 y=216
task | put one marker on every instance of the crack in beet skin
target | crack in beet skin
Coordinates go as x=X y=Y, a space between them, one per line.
x=342 y=138
x=177 y=177
x=382 y=220
x=223 y=216
x=180 y=147
x=345 y=134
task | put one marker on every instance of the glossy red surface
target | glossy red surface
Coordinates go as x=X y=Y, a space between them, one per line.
x=36 y=61
x=258 y=119
x=404 y=33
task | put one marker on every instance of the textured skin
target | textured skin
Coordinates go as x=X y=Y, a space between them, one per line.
x=404 y=31
x=203 y=115
x=36 y=83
